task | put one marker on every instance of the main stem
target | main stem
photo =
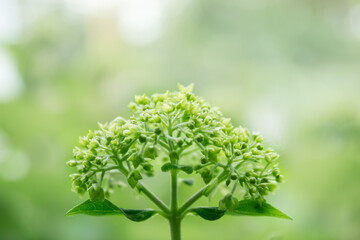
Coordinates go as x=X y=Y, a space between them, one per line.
x=174 y=217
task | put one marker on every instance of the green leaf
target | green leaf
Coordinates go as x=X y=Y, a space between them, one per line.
x=186 y=169
x=170 y=166
x=208 y=213
x=253 y=208
x=166 y=167
x=95 y=208
x=103 y=208
x=138 y=215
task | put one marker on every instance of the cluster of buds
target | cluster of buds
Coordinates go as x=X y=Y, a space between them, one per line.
x=183 y=133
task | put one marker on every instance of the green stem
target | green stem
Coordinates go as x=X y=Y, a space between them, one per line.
x=220 y=178
x=174 y=217
x=152 y=197
x=157 y=201
x=175 y=228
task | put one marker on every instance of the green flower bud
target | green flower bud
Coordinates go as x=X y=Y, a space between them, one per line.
x=136 y=174
x=259 y=146
x=259 y=139
x=98 y=160
x=188 y=141
x=255 y=151
x=268 y=157
x=191 y=124
x=83 y=141
x=137 y=160
x=274 y=156
x=227 y=153
x=143 y=100
x=205 y=174
x=228 y=181
x=71 y=163
x=276 y=172
x=87 y=164
x=268 y=150
x=157 y=130
x=252 y=190
x=237 y=152
x=134 y=177
x=148 y=167
x=279 y=178
x=96 y=193
x=252 y=180
x=228 y=202
x=189 y=134
x=93 y=143
x=263 y=190
x=249 y=173
x=238 y=146
x=89 y=157
x=142 y=138
x=272 y=187
x=233 y=176
x=128 y=140
x=247 y=155
x=158 y=98
x=180 y=142
x=132 y=106
x=199 y=138
x=115 y=142
x=264 y=180
x=167 y=108
x=150 y=152
x=157 y=119
x=74 y=176
x=80 y=156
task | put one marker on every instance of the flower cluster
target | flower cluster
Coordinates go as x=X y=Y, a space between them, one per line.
x=183 y=133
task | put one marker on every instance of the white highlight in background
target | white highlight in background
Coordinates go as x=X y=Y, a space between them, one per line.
x=141 y=21
x=11 y=84
x=354 y=20
x=10 y=23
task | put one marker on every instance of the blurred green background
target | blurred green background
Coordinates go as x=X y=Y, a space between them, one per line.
x=287 y=68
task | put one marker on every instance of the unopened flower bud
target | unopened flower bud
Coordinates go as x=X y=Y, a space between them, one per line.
x=157 y=130
x=247 y=155
x=142 y=138
x=259 y=139
x=143 y=100
x=233 y=176
x=71 y=163
x=199 y=138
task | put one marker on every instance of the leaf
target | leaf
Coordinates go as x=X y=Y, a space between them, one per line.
x=95 y=208
x=186 y=169
x=208 y=213
x=103 y=208
x=170 y=166
x=253 y=208
x=138 y=215
x=166 y=167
